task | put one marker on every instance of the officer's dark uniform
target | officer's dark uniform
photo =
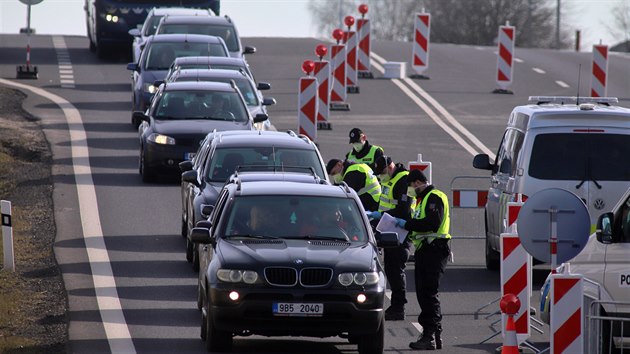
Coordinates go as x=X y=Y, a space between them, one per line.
x=368 y=154
x=395 y=202
x=429 y=228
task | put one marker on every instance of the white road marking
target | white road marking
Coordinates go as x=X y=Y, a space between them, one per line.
x=562 y=84
x=63 y=59
x=519 y=60
x=116 y=329
x=538 y=70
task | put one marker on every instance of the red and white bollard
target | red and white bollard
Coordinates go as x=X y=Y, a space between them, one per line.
x=363 y=30
x=420 y=49
x=505 y=59
x=350 y=40
x=27 y=71
x=338 y=92
x=322 y=74
x=599 y=70
x=566 y=313
x=423 y=166
x=510 y=305
x=307 y=102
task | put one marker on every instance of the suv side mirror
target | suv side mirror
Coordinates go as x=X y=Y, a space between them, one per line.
x=206 y=210
x=133 y=67
x=260 y=117
x=604 y=228
x=200 y=235
x=190 y=176
x=249 y=50
x=268 y=101
x=387 y=240
x=134 y=32
x=263 y=86
x=185 y=165
x=139 y=116
x=482 y=162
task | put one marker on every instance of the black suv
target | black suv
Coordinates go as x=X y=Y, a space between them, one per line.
x=283 y=258
x=221 y=153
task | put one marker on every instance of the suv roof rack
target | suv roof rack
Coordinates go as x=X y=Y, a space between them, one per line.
x=540 y=100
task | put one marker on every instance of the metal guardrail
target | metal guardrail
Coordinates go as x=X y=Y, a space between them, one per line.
x=607 y=334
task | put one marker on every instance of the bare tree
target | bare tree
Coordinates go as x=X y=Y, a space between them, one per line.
x=620 y=28
x=453 y=21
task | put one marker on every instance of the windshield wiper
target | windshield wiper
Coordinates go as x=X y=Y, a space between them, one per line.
x=318 y=237
x=599 y=186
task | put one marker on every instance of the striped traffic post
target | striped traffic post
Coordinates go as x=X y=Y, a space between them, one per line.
x=420 y=49
x=363 y=30
x=338 y=76
x=423 y=166
x=322 y=74
x=350 y=40
x=7 y=236
x=307 y=102
x=566 y=314
x=599 y=70
x=505 y=59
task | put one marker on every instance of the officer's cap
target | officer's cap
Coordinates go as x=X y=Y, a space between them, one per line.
x=331 y=164
x=380 y=163
x=416 y=175
x=355 y=135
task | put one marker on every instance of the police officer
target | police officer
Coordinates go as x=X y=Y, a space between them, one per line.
x=362 y=151
x=359 y=177
x=395 y=202
x=429 y=226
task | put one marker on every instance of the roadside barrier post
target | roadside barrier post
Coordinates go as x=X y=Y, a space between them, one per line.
x=505 y=59
x=510 y=305
x=338 y=92
x=599 y=75
x=424 y=166
x=566 y=314
x=27 y=71
x=307 y=102
x=364 y=31
x=322 y=74
x=350 y=40
x=420 y=50
x=7 y=236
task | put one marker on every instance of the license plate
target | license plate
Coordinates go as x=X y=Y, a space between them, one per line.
x=189 y=155
x=297 y=309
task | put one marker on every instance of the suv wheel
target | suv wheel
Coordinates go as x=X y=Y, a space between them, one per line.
x=184 y=228
x=189 y=250
x=492 y=256
x=372 y=343
x=148 y=175
x=216 y=341
x=195 y=257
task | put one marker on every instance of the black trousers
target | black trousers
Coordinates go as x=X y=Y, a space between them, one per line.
x=395 y=263
x=430 y=262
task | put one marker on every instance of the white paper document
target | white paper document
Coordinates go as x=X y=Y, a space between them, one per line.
x=388 y=224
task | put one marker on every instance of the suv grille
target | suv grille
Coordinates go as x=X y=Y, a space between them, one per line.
x=288 y=277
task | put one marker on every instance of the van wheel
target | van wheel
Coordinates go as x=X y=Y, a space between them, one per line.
x=492 y=257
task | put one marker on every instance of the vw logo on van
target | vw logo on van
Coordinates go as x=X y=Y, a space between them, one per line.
x=599 y=204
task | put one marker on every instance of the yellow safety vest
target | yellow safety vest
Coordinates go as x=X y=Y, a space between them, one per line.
x=372 y=187
x=387 y=200
x=443 y=231
x=367 y=159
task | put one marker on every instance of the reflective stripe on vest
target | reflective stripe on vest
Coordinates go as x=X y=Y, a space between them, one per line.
x=420 y=213
x=387 y=201
x=372 y=187
x=367 y=159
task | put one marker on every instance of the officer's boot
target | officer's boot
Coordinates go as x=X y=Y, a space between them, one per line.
x=426 y=342
x=438 y=340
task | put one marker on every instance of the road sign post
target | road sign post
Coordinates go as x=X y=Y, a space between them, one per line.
x=27 y=71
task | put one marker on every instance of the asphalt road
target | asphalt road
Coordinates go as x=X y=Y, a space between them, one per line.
x=139 y=224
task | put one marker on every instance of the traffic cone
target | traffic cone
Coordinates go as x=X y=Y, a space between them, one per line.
x=510 y=343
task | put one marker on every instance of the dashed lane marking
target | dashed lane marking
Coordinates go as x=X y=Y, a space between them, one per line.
x=66 y=74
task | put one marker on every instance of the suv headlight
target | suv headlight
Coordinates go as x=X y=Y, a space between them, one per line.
x=237 y=276
x=161 y=139
x=149 y=88
x=359 y=278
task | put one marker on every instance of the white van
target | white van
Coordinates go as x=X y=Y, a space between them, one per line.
x=578 y=144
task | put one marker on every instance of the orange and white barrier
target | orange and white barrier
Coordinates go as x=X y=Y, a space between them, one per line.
x=307 y=102
x=469 y=198
x=505 y=58
x=566 y=314
x=350 y=40
x=510 y=305
x=338 y=76
x=516 y=265
x=363 y=58
x=420 y=50
x=7 y=236
x=322 y=74
x=424 y=166
x=599 y=71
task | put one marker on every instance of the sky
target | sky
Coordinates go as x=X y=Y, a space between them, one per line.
x=261 y=18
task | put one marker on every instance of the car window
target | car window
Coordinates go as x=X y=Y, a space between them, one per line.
x=576 y=156
x=296 y=217
x=226 y=32
x=198 y=104
x=160 y=56
x=152 y=25
x=224 y=161
x=244 y=85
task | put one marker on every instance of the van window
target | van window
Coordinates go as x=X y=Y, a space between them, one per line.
x=507 y=157
x=571 y=156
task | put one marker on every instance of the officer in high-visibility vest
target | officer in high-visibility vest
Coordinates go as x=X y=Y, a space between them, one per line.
x=429 y=226
x=395 y=202
x=362 y=151
x=359 y=177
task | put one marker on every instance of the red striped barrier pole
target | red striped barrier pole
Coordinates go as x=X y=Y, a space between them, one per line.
x=338 y=75
x=322 y=74
x=364 y=31
x=307 y=102
x=566 y=314
x=469 y=198
x=350 y=40
x=516 y=275
x=505 y=59
x=599 y=71
x=420 y=49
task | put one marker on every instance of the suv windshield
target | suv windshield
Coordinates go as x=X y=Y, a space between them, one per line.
x=226 y=32
x=589 y=156
x=161 y=55
x=295 y=217
x=226 y=160
x=196 y=104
